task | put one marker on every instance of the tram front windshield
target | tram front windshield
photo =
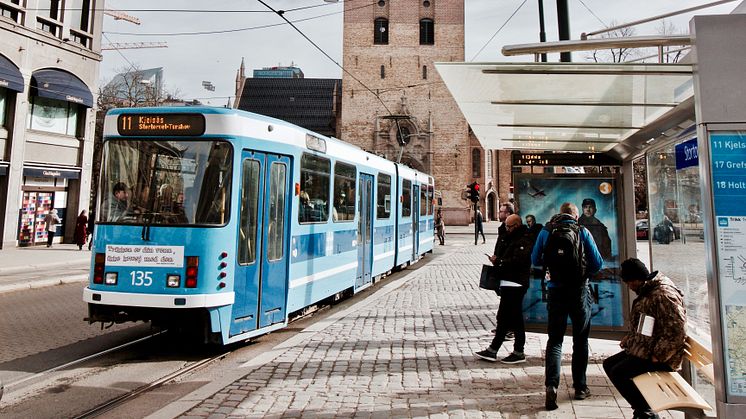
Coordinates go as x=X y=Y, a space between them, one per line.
x=166 y=182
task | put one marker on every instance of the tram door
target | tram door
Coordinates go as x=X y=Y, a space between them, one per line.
x=364 y=231
x=260 y=281
x=415 y=221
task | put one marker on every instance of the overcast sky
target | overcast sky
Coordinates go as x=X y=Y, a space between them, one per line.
x=215 y=57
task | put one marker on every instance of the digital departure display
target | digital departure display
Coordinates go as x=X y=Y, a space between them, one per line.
x=176 y=124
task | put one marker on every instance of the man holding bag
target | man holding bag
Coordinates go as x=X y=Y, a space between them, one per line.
x=512 y=260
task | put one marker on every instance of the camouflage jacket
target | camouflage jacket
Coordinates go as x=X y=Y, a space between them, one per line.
x=658 y=298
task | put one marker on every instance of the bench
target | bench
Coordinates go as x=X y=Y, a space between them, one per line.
x=665 y=390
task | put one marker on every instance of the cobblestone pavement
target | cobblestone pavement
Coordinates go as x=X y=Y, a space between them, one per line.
x=38 y=320
x=407 y=351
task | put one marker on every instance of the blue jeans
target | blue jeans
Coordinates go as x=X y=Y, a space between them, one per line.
x=574 y=302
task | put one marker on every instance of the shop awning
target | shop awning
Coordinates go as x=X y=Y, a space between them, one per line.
x=61 y=85
x=586 y=107
x=10 y=76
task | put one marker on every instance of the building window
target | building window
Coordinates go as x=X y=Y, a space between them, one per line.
x=383 y=71
x=490 y=174
x=3 y=101
x=427 y=32
x=12 y=9
x=424 y=72
x=52 y=115
x=476 y=163
x=81 y=15
x=49 y=18
x=381 y=31
x=81 y=29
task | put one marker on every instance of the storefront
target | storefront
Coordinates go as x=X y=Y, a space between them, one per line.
x=44 y=189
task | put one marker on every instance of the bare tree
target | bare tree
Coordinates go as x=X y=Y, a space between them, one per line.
x=614 y=55
x=671 y=54
x=132 y=87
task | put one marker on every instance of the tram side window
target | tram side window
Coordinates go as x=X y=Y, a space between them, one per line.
x=430 y=200
x=249 y=196
x=383 y=207
x=423 y=200
x=344 y=192
x=406 y=196
x=276 y=233
x=314 y=193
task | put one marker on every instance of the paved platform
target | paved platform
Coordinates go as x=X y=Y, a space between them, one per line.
x=40 y=266
x=406 y=351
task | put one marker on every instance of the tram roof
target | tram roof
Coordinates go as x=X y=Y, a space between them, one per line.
x=577 y=107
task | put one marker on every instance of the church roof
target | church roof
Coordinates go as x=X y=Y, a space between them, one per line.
x=310 y=103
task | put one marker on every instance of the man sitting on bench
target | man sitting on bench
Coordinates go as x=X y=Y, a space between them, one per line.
x=656 y=339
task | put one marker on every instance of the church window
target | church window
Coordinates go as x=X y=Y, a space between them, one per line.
x=427 y=32
x=424 y=72
x=383 y=71
x=476 y=163
x=381 y=31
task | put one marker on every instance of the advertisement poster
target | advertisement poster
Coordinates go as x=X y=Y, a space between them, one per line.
x=728 y=155
x=596 y=199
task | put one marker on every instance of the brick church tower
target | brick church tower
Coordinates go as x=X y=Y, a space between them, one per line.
x=390 y=47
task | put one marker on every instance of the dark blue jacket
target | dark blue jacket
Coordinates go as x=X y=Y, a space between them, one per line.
x=593 y=260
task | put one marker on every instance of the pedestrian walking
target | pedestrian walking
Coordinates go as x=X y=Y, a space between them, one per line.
x=478 y=221
x=570 y=256
x=81 y=227
x=51 y=220
x=512 y=262
x=507 y=209
x=655 y=341
x=89 y=230
x=440 y=227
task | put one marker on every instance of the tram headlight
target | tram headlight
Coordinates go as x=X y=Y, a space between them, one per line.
x=173 y=281
x=110 y=278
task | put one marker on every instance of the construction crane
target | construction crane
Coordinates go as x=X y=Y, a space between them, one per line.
x=132 y=45
x=118 y=15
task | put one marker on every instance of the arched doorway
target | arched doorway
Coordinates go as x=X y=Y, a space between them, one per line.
x=491 y=206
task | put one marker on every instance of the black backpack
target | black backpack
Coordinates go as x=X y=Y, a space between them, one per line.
x=564 y=254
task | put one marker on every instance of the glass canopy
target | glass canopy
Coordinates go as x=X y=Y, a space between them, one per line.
x=586 y=107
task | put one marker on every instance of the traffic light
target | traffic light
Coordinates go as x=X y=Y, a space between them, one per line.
x=473 y=192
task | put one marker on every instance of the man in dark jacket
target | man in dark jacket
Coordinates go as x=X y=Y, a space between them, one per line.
x=598 y=230
x=512 y=260
x=655 y=341
x=506 y=209
x=533 y=227
x=568 y=299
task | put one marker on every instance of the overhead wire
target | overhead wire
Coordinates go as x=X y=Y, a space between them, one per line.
x=249 y=28
x=498 y=31
x=594 y=15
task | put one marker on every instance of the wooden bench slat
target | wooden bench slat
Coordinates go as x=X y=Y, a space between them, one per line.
x=668 y=390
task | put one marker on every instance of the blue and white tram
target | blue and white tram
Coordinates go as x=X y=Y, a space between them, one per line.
x=227 y=222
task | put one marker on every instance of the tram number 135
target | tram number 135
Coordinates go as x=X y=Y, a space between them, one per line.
x=141 y=278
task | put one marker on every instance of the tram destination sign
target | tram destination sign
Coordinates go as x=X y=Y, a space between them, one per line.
x=163 y=124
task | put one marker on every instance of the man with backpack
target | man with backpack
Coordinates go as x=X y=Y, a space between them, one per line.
x=570 y=256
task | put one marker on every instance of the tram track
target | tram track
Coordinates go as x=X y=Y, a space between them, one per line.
x=41 y=374
x=120 y=400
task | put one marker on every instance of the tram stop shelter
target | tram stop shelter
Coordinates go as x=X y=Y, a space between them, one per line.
x=686 y=123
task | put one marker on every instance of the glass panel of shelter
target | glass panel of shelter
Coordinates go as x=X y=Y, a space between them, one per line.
x=676 y=238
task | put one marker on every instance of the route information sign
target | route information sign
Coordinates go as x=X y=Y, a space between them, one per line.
x=728 y=160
